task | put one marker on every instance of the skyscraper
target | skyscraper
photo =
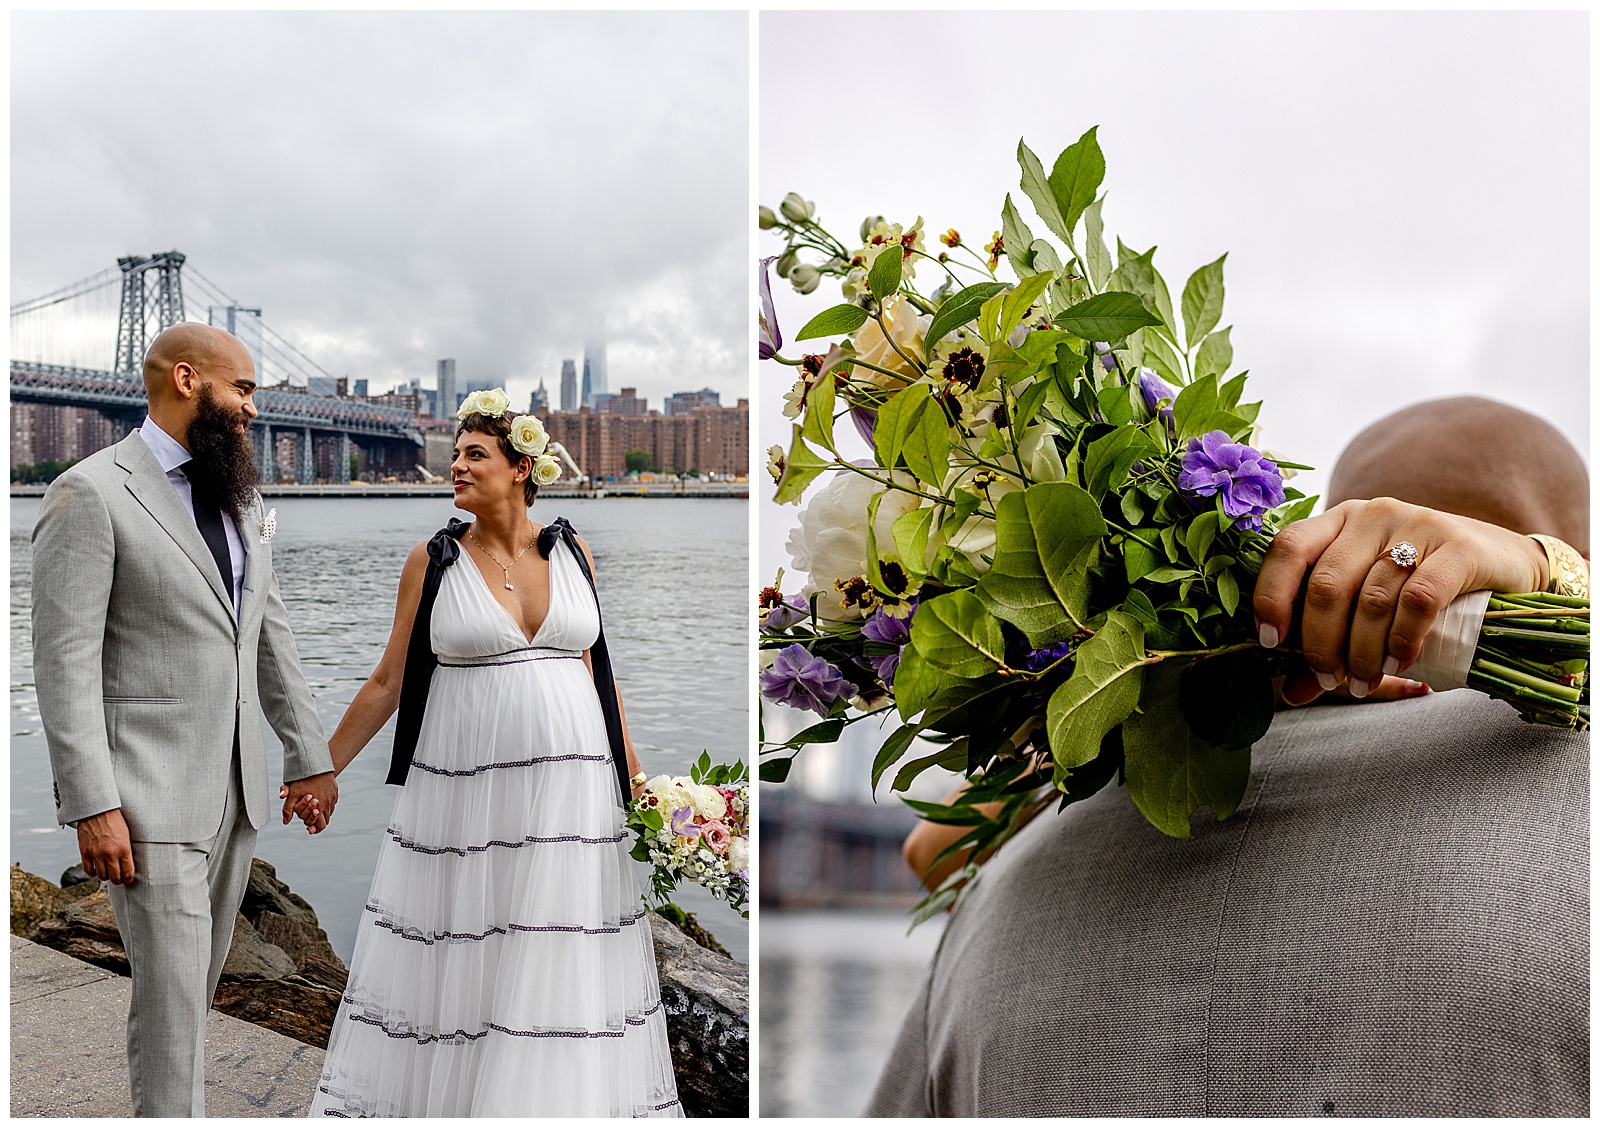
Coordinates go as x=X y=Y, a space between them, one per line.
x=569 y=386
x=594 y=370
x=446 y=400
x=539 y=404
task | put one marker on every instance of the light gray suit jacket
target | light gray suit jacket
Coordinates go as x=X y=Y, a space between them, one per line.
x=1395 y=922
x=142 y=668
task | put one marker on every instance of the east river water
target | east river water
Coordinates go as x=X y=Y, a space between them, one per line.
x=674 y=589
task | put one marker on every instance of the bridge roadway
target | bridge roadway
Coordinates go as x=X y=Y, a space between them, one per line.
x=114 y=395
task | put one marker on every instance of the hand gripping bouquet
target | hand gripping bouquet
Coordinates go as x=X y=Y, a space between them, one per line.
x=1045 y=570
x=696 y=828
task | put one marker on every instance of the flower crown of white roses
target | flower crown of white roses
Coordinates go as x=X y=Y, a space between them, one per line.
x=528 y=435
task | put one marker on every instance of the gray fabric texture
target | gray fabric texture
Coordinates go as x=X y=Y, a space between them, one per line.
x=177 y=924
x=1395 y=922
x=141 y=667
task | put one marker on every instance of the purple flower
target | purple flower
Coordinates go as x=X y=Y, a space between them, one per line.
x=787 y=614
x=800 y=679
x=890 y=631
x=683 y=823
x=768 y=339
x=1155 y=389
x=865 y=420
x=1108 y=359
x=1250 y=484
x=1037 y=660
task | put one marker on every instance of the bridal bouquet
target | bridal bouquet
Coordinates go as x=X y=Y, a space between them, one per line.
x=696 y=828
x=1046 y=567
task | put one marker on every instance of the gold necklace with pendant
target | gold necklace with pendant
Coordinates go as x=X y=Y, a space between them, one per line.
x=506 y=568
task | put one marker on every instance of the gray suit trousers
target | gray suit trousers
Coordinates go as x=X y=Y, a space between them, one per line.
x=176 y=921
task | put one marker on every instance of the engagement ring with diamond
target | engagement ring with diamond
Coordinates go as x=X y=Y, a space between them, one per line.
x=1404 y=554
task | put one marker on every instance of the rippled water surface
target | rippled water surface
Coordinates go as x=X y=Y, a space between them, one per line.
x=673 y=576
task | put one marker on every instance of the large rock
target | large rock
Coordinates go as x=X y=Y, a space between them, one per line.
x=707 y=1001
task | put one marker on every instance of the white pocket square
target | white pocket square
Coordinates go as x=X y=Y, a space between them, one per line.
x=269 y=525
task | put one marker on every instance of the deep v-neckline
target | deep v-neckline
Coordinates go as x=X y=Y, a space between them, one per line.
x=549 y=601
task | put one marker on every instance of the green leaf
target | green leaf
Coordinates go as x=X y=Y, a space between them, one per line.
x=819 y=412
x=1228 y=700
x=775 y=770
x=1228 y=591
x=884 y=277
x=927 y=446
x=964 y=504
x=1115 y=406
x=1137 y=560
x=897 y=419
x=833 y=321
x=1214 y=357
x=1037 y=187
x=1202 y=301
x=892 y=750
x=1076 y=177
x=1168 y=574
x=1201 y=535
x=801 y=468
x=918 y=685
x=1096 y=257
x=1137 y=274
x=1295 y=511
x=1132 y=510
x=945 y=758
x=1194 y=405
x=1028 y=403
x=1044 y=537
x=1161 y=356
x=1228 y=394
x=1109 y=458
x=1170 y=771
x=1016 y=238
x=1107 y=317
x=958 y=309
x=911 y=538
x=955 y=633
x=1016 y=304
x=1103 y=689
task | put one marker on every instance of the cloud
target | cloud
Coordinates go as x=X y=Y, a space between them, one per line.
x=392 y=188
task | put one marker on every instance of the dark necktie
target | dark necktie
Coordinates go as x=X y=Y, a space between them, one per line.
x=208 y=516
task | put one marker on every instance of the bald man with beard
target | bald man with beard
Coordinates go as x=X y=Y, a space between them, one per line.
x=1396 y=920
x=159 y=638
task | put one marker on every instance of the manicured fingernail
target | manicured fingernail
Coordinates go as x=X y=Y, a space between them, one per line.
x=1419 y=688
x=1327 y=681
x=1269 y=635
x=1391 y=665
x=1359 y=688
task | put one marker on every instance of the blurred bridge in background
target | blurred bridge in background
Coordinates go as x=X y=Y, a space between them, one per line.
x=307 y=429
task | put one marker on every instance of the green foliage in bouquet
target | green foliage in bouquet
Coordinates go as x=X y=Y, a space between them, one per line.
x=1046 y=569
x=696 y=828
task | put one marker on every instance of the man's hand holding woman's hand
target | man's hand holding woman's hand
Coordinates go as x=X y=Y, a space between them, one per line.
x=1363 y=617
x=311 y=800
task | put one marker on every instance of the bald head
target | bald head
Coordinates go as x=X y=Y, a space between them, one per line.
x=206 y=349
x=1474 y=457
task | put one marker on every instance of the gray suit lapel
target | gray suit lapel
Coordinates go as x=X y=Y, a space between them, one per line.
x=250 y=535
x=150 y=488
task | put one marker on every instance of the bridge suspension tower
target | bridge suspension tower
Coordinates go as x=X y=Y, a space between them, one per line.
x=152 y=294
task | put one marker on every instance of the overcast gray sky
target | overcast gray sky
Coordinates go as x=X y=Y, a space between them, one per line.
x=392 y=188
x=1404 y=198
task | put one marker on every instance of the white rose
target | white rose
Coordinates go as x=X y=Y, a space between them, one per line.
x=545 y=470
x=708 y=801
x=739 y=854
x=871 y=346
x=529 y=436
x=494 y=402
x=830 y=542
x=469 y=405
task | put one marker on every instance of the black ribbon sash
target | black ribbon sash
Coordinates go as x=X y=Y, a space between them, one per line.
x=443 y=551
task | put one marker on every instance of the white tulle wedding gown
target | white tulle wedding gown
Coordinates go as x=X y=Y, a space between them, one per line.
x=503 y=965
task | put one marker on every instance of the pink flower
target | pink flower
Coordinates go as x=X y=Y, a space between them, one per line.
x=716 y=836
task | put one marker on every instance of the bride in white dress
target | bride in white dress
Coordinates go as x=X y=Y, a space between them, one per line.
x=503 y=965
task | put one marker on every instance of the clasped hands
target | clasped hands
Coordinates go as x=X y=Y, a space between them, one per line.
x=311 y=800
x=1363 y=618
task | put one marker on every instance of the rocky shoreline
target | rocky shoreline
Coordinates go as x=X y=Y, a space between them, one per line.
x=283 y=974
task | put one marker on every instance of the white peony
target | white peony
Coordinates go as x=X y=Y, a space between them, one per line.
x=529 y=437
x=708 y=801
x=739 y=855
x=545 y=469
x=830 y=542
x=905 y=330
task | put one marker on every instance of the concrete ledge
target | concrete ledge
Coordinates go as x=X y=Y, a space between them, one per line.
x=69 y=1057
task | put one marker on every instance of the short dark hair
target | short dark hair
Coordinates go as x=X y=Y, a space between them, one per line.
x=500 y=427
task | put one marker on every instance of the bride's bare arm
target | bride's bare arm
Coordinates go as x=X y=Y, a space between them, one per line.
x=379 y=697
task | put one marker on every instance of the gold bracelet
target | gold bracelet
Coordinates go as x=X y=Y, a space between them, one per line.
x=1569 y=572
x=638 y=780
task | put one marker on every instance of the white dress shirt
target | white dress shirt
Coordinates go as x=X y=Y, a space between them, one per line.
x=170 y=454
